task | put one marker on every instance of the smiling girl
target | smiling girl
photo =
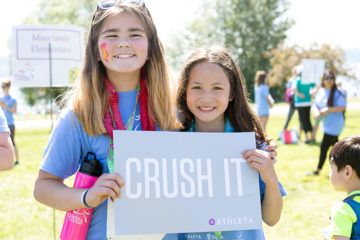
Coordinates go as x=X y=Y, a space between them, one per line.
x=212 y=98
x=124 y=84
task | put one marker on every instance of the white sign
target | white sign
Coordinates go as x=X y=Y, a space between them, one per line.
x=31 y=47
x=184 y=182
x=313 y=70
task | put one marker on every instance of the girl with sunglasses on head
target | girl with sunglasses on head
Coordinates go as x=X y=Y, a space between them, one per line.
x=331 y=104
x=212 y=98
x=124 y=84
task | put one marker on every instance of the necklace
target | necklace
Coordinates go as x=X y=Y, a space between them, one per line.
x=112 y=118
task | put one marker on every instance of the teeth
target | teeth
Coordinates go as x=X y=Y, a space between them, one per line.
x=124 y=56
x=206 y=108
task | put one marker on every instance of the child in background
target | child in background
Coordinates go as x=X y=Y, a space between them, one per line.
x=212 y=98
x=263 y=98
x=345 y=177
x=124 y=84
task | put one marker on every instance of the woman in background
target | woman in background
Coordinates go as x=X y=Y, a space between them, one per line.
x=263 y=99
x=331 y=104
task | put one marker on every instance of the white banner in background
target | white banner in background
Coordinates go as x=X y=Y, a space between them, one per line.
x=313 y=70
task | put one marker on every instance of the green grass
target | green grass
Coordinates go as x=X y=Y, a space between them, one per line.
x=21 y=217
x=306 y=208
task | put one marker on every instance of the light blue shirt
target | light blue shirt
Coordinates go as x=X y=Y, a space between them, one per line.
x=3 y=124
x=333 y=122
x=10 y=103
x=262 y=105
x=68 y=146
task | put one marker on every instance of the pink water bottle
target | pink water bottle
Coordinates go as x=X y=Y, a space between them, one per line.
x=76 y=222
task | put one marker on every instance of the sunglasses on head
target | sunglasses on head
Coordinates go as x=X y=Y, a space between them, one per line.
x=106 y=4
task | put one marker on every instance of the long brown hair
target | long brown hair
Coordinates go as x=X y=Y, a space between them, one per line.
x=330 y=75
x=239 y=112
x=260 y=77
x=88 y=98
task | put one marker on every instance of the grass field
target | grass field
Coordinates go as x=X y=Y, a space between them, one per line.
x=306 y=208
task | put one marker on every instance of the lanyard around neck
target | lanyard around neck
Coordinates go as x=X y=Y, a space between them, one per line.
x=129 y=126
x=112 y=118
x=130 y=122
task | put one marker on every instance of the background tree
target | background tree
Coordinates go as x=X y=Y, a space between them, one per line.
x=249 y=29
x=63 y=12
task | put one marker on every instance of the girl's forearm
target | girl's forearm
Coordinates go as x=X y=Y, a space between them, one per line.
x=54 y=193
x=336 y=109
x=271 y=206
x=10 y=109
x=6 y=159
x=270 y=100
x=6 y=152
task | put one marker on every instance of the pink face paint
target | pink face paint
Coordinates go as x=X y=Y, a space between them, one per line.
x=104 y=52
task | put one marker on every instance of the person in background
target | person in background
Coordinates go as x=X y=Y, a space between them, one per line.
x=345 y=177
x=331 y=104
x=263 y=98
x=9 y=106
x=289 y=97
x=6 y=146
x=302 y=102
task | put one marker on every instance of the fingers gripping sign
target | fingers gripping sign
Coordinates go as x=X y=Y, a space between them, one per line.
x=108 y=185
x=262 y=162
x=271 y=149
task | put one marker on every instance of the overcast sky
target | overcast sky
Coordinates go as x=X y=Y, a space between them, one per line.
x=322 y=21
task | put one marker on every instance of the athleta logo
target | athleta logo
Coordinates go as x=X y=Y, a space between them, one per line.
x=231 y=221
x=212 y=221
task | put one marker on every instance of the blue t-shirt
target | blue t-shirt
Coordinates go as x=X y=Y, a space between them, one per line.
x=69 y=144
x=10 y=103
x=262 y=105
x=3 y=124
x=333 y=122
x=256 y=234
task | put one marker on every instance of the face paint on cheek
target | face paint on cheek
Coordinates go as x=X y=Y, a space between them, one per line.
x=104 y=52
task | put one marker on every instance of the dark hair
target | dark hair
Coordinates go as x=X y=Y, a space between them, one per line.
x=260 y=77
x=239 y=111
x=6 y=83
x=347 y=152
x=330 y=75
